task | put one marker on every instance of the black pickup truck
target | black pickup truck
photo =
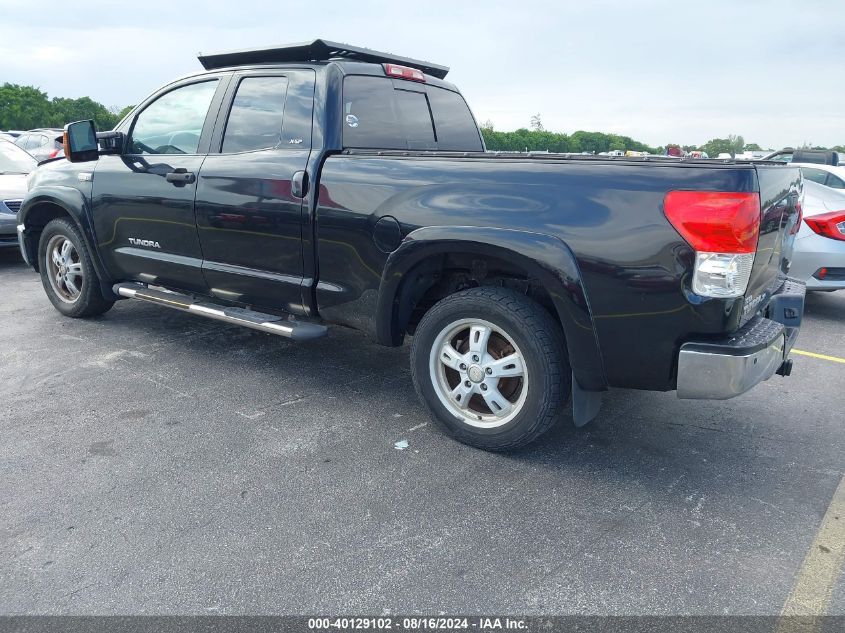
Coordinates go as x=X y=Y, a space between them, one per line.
x=287 y=188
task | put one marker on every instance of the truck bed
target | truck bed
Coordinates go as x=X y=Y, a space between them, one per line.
x=607 y=210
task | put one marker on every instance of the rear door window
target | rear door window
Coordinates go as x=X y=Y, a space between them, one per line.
x=255 y=119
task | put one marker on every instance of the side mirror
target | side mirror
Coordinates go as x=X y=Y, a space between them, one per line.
x=80 y=142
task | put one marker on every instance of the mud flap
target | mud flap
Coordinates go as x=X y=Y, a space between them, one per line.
x=585 y=404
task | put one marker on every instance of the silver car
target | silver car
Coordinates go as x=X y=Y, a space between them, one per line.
x=15 y=164
x=819 y=255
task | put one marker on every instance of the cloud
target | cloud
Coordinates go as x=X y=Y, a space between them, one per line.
x=656 y=70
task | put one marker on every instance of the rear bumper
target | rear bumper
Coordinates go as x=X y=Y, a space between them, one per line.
x=813 y=252
x=718 y=370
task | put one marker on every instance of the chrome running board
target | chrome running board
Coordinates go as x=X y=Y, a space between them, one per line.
x=270 y=323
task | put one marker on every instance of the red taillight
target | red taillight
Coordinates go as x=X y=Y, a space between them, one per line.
x=53 y=153
x=830 y=225
x=404 y=72
x=715 y=221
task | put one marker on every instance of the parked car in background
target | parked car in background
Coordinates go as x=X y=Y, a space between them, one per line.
x=819 y=252
x=42 y=143
x=15 y=164
x=827 y=175
x=814 y=156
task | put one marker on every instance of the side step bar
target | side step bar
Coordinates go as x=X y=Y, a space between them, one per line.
x=295 y=330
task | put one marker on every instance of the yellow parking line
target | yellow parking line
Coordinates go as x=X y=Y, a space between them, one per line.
x=811 y=594
x=834 y=359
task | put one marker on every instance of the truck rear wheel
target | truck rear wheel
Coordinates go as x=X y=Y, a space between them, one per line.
x=490 y=365
x=67 y=273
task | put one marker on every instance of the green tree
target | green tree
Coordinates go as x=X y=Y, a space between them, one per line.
x=23 y=107
x=542 y=140
x=752 y=147
x=26 y=107
x=732 y=145
x=69 y=110
x=736 y=143
x=716 y=146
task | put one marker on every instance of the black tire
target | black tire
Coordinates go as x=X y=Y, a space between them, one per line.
x=538 y=338
x=90 y=300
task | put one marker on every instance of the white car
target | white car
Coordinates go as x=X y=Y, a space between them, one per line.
x=819 y=255
x=15 y=164
x=827 y=175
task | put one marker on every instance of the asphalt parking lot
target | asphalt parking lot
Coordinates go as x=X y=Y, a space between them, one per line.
x=154 y=462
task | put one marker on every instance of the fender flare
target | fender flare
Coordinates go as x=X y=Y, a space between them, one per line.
x=544 y=257
x=74 y=203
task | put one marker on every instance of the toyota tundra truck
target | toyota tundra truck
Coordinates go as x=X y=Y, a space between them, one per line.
x=289 y=188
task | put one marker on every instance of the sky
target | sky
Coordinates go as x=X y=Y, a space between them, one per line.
x=659 y=71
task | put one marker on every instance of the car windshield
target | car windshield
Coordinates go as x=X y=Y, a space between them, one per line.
x=14 y=160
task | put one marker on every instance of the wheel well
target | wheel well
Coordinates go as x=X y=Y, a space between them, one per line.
x=440 y=276
x=36 y=219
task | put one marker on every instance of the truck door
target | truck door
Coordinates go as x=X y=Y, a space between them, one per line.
x=249 y=197
x=143 y=200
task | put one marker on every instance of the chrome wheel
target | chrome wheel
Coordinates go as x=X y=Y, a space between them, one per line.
x=479 y=373
x=64 y=268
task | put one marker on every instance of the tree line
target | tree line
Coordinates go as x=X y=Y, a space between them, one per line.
x=538 y=139
x=595 y=142
x=557 y=142
x=27 y=107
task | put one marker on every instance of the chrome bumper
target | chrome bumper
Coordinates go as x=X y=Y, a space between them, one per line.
x=718 y=376
x=21 y=245
x=718 y=370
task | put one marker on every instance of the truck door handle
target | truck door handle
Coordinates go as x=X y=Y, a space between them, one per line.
x=181 y=177
x=299 y=184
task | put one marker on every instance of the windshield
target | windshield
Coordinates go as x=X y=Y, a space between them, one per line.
x=14 y=160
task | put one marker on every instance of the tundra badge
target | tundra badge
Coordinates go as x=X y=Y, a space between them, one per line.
x=136 y=242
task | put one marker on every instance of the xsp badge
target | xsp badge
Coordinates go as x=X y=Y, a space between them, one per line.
x=148 y=243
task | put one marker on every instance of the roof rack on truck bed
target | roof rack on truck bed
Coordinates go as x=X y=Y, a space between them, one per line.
x=318 y=50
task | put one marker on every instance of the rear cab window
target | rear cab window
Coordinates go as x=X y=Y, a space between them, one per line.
x=386 y=113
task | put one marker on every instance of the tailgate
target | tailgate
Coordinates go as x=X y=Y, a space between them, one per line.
x=780 y=195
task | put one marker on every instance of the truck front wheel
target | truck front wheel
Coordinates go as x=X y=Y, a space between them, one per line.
x=67 y=273
x=490 y=365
